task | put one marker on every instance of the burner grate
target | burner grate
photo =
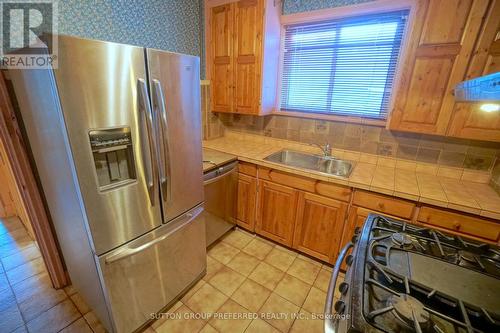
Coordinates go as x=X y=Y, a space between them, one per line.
x=405 y=306
x=394 y=302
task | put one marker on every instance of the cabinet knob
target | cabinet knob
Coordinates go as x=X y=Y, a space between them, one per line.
x=381 y=205
x=456 y=226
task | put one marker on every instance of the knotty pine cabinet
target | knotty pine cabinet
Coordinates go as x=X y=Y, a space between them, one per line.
x=318 y=227
x=246 y=201
x=242 y=56
x=468 y=121
x=276 y=210
x=441 y=38
x=319 y=218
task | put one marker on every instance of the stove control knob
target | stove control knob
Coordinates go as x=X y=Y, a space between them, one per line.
x=354 y=239
x=343 y=288
x=349 y=259
x=340 y=307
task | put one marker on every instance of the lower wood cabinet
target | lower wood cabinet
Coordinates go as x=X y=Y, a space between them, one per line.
x=246 y=201
x=276 y=209
x=318 y=226
x=319 y=219
x=460 y=224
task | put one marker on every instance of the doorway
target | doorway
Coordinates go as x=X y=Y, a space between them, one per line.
x=24 y=219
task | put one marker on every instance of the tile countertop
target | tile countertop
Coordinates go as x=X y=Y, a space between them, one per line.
x=213 y=159
x=457 y=189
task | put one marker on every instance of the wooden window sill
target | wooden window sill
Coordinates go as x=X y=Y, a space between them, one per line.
x=331 y=117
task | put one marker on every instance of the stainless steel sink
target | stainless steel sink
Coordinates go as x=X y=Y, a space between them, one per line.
x=327 y=165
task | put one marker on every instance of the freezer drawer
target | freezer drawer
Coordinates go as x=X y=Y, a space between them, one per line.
x=142 y=277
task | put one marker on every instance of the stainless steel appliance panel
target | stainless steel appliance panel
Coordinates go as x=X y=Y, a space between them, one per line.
x=103 y=86
x=41 y=115
x=175 y=92
x=142 y=277
x=221 y=186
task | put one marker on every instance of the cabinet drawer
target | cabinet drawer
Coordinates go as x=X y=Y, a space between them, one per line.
x=284 y=178
x=247 y=168
x=384 y=204
x=334 y=191
x=459 y=223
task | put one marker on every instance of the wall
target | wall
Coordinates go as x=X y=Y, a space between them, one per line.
x=297 y=6
x=173 y=25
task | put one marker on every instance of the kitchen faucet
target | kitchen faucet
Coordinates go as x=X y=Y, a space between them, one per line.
x=326 y=149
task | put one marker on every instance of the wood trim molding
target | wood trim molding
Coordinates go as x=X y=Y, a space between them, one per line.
x=11 y=137
x=372 y=7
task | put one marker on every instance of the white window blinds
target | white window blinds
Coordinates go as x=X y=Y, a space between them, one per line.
x=343 y=66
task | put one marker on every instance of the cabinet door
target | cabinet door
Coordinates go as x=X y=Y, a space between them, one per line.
x=247 y=194
x=247 y=55
x=221 y=25
x=468 y=120
x=318 y=227
x=442 y=39
x=276 y=209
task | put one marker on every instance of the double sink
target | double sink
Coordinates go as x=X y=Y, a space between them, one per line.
x=323 y=164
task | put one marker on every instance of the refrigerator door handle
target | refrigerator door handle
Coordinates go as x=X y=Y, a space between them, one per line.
x=159 y=103
x=177 y=224
x=149 y=163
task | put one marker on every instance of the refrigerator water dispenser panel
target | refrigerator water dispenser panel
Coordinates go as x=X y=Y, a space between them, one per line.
x=113 y=157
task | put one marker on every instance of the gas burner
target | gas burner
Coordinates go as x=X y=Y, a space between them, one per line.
x=468 y=256
x=402 y=240
x=410 y=311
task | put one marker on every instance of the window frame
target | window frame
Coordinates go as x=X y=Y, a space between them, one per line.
x=373 y=7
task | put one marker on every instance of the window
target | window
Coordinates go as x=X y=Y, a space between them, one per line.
x=343 y=66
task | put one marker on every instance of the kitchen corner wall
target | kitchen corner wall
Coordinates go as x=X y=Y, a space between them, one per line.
x=173 y=25
x=210 y=122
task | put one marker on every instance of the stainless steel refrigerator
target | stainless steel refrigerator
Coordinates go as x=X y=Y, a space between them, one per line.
x=116 y=139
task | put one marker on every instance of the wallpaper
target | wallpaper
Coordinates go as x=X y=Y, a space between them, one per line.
x=297 y=6
x=173 y=25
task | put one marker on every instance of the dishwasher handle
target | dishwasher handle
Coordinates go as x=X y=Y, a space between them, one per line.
x=219 y=173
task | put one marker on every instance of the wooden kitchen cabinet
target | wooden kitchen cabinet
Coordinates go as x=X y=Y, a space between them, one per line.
x=441 y=38
x=276 y=209
x=460 y=224
x=468 y=121
x=246 y=202
x=242 y=56
x=319 y=225
x=222 y=59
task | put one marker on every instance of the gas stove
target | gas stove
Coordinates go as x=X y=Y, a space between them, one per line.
x=406 y=278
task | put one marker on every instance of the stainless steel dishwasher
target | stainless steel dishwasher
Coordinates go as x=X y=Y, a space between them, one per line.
x=221 y=186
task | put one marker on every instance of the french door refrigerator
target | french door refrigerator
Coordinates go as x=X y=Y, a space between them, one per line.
x=115 y=136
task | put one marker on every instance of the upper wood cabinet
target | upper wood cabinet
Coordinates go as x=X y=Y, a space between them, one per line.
x=319 y=225
x=468 y=121
x=222 y=59
x=442 y=36
x=242 y=56
x=276 y=209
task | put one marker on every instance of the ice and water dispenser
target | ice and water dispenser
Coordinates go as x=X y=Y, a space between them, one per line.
x=113 y=157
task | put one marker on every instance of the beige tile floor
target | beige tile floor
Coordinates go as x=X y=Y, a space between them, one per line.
x=273 y=289
x=251 y=285
x=28 y=302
